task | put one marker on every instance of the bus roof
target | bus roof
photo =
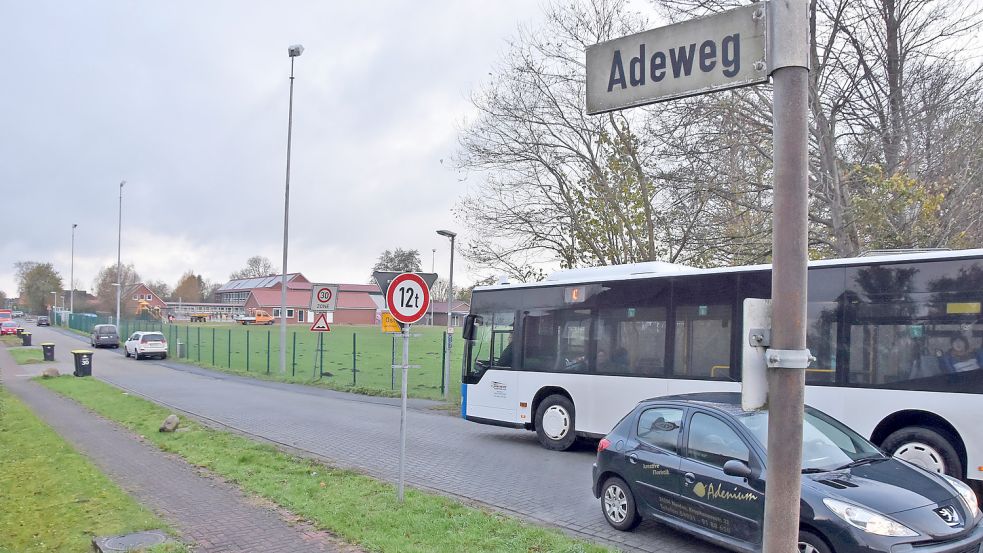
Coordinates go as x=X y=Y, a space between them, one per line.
x=651 y=269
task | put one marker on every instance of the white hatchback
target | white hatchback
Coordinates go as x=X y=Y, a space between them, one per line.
x=146 y=344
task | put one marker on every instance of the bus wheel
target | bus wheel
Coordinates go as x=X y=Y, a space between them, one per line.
x=555 y=423
x=925 y=447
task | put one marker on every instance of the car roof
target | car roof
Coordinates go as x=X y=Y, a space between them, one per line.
x=728 y=402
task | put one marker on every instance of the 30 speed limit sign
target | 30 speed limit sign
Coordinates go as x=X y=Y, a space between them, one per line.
x=408 y=298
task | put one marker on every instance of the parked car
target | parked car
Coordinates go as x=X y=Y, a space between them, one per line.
x=8 y=327
x=18 y=314
x=104 y=335
x=43 y=320
x=146 y=344
x=697 y=462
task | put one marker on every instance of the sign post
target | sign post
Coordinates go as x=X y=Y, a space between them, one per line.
x=324 y=299
x=742 y=47
x=408 y=299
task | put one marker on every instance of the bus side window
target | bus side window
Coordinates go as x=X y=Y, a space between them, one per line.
x=702 y=348
x=502 y=354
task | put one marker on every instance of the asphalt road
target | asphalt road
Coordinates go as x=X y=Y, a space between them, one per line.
x=502 y=468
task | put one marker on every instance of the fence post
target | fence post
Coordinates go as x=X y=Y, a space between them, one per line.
x=293 y=356
x=268 y=352
x=443 y=357
x=354 y=365
x=187 y=341
x=213 y=346
x=230 y=348
x=198 y=344
x=392 y=359
x=247 y=350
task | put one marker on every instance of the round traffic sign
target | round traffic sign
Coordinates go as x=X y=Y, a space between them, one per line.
x=324 y=295
x=408 y=298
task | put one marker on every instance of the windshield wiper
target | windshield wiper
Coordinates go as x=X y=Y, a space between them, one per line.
x=862 y=461
x=813 y=470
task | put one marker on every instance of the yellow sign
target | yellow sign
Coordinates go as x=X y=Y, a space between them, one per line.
x=966 y=308
x=390 y=324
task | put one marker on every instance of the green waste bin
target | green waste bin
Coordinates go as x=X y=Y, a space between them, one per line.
x=83 y=362
x=25 y=339
x=49 y=351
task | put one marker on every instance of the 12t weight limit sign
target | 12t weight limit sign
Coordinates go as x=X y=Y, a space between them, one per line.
x=408 y=298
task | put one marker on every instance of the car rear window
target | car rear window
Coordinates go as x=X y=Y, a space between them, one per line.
x=105 y=329
x=151 y=336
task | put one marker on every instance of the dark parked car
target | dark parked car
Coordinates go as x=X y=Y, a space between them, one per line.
x=43 y=321
x=104 y=335
x=697 y=462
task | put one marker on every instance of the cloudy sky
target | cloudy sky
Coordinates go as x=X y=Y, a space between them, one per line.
x=187 y=101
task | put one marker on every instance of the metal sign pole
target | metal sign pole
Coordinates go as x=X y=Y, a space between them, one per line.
x=402 y=413
x=788 y=356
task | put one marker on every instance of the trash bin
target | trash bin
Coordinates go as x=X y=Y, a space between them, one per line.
x=180 y=350
x=25 y=339
x=49 y=351
x=20 y=330
x=83 y=362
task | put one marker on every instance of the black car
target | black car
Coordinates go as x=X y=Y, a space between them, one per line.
x=43 y=321
x=697 y=462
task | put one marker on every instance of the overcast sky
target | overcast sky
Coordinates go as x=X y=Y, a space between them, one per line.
x=187 y=101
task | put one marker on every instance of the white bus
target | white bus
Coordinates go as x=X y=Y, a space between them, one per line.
x=897 y=341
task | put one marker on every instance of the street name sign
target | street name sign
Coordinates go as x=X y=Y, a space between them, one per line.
x=717 y=52
x=408 y=298
x=324 y=297
x=320 y=323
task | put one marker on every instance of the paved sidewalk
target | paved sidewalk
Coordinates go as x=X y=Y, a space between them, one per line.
x=213 y=515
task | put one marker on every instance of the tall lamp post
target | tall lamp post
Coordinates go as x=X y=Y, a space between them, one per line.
x=71 y=305
x=433 y=261
x=450 y=298
x=119 y=249
x=293 y=52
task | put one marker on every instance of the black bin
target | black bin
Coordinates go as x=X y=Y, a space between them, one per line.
x=83 y=362
x=20 y=331
x=25 y=339
x=49 y=351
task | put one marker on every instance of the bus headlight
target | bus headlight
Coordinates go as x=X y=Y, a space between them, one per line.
x=966 y=493
x=867 y=520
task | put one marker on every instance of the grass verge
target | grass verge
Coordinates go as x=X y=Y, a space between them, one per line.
x=359 y=509
x=10 y=341
x=27 y=355
x=52 y=498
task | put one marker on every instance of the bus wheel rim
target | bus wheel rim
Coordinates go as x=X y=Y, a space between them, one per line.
x=556 y=422
x=615 y=504
x=923 y=455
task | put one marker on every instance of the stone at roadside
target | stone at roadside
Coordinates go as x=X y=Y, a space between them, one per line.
x=170 y=423
x=50 y=372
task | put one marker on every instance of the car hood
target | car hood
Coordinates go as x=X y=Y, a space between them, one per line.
x=889 y=486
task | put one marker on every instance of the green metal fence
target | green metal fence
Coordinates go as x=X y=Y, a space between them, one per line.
x=348 y=357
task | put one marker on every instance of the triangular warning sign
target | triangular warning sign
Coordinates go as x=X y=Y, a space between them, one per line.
x=320 y=323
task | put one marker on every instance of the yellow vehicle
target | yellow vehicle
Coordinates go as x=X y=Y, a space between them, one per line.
x=200 y=317
x=258 y=317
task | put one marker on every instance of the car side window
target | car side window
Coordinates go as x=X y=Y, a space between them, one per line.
x=660 y=427
x=134 y=337
x=712 y=441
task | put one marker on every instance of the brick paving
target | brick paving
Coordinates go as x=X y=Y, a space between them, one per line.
x=502 y=468
x=214 y=516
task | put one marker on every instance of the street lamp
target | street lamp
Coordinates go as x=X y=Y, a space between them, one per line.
x=292 y=51
x=71 y=306
x=433 y=260
x=54 y=307
x=119 y=245
x=450 y=297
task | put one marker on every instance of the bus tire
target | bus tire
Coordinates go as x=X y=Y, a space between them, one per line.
x=929 y=448
x=555 y=423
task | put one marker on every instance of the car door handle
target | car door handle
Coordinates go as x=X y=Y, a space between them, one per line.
x=689 y=477
x=632 y=458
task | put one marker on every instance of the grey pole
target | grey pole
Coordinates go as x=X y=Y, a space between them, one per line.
x=450 y=299
x=786 y=385
x=402 y=413
x=293 y=52
x=433 y=261
x=119 y=246
x=71 y=305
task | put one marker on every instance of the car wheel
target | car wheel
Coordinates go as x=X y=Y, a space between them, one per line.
x=555 y=423
x=137 y=356
x=163 y=356
x=811 y=543
x=618 y=505
x=928 y=448
x=126 y=352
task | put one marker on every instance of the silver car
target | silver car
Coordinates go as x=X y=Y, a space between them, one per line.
x=104 y=335
x=146 y=344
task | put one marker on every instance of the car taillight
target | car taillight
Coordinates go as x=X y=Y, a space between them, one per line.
x=603 y=444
